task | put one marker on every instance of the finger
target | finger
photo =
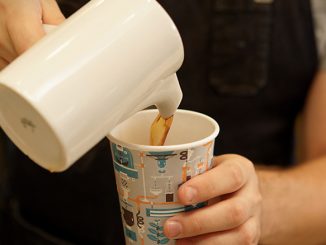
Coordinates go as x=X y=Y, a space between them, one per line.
x=247 y=233
x=25 y=25
x=3 y=63
x=230 y=174
x=221 y=216
x=51 y=12
x=7 y=51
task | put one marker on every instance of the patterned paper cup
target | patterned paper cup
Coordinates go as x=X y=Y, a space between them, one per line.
x=148 y=177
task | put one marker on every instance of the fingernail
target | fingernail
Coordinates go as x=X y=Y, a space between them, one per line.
x=173 y=228
x=190 y=194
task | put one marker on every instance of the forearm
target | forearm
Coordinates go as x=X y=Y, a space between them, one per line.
x=294 y=204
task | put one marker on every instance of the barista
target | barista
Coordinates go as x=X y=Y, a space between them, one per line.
x=253 y=66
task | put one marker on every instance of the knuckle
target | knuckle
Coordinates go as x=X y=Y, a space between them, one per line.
x=238 y=214
x=248 y=235
x=245 y=162
x=237 y=175
x=210 y=189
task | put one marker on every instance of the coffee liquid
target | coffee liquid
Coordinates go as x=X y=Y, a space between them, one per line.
x=160 y=129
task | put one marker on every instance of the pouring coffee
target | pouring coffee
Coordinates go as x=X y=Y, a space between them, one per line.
x=109 y=60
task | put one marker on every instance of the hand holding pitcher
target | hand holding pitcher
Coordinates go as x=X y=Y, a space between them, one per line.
x=21 y=25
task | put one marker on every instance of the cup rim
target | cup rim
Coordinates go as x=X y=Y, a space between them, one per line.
x=142 y=147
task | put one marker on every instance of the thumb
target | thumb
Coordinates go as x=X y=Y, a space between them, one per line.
x=51 y=12
x=24 y=25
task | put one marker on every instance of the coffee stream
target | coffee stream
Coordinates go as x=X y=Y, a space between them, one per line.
x=159 y=130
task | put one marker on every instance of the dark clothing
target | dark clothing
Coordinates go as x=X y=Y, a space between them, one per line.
x=247 y=65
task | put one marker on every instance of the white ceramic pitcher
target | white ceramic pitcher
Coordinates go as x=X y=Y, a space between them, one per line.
x=109 y=60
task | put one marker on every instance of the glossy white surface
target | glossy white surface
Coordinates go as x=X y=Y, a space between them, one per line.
x=106 y=62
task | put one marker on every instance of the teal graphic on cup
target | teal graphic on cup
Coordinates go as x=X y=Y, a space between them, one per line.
x=148 y=177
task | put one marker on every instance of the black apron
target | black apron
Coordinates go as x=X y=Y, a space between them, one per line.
x=248 y=65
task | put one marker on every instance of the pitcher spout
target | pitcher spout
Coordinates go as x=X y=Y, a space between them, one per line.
x=169 y=96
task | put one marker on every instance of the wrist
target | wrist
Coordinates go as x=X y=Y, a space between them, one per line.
x=273 y=189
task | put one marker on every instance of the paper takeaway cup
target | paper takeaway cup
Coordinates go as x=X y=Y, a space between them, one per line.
x=148 y=177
